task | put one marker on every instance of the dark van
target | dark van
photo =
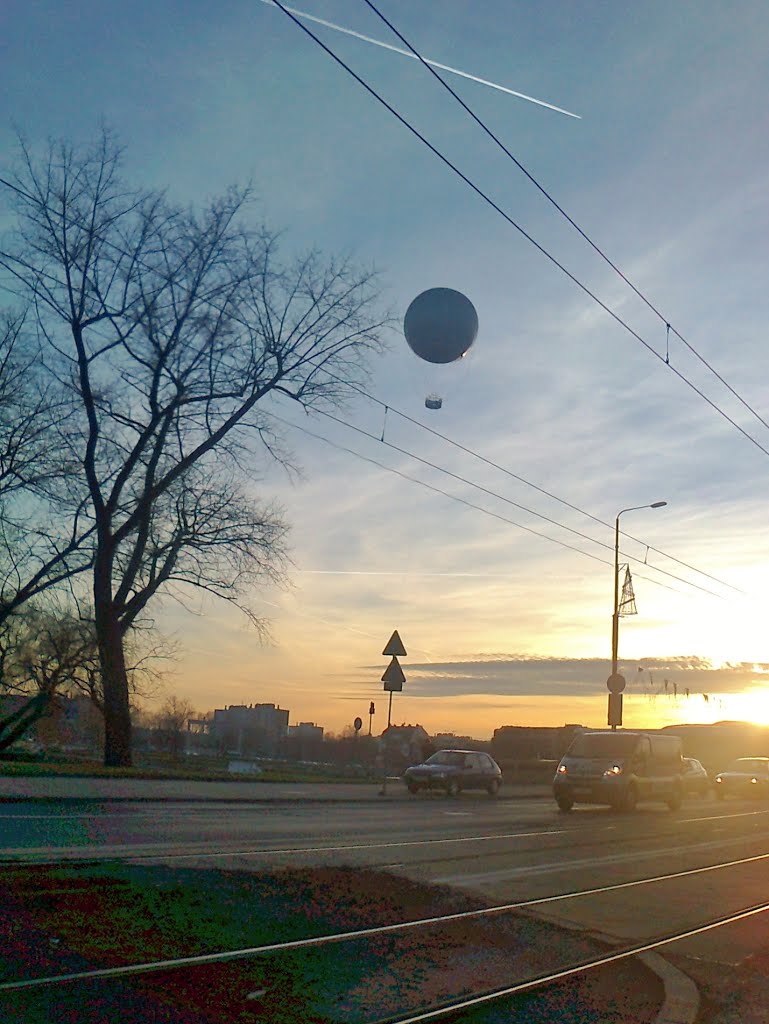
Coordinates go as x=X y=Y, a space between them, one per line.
x=620 y=769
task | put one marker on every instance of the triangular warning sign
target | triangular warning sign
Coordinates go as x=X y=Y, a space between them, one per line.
x=393 y=677
x=395 y=646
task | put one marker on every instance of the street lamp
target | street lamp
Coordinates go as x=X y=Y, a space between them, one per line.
x=616 y=684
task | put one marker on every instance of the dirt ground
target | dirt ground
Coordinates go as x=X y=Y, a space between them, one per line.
x=59 y=920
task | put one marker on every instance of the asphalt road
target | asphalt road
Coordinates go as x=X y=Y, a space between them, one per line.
x=506 y=851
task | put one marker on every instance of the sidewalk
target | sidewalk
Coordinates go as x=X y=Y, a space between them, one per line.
x=13 y=789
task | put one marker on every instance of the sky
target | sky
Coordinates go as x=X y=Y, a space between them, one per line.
x=505 y=623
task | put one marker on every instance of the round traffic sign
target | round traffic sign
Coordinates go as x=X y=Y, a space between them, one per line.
x=615 y=683
x=358 y=723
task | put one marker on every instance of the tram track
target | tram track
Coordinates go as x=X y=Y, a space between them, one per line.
x=395 y=927
x=634 y=839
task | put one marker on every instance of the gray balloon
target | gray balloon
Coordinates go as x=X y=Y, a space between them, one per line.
x=440 y=325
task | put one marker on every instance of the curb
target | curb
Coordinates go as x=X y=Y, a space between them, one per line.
x=682 y=999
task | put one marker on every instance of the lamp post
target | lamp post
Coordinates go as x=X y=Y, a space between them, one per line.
x=616 y=684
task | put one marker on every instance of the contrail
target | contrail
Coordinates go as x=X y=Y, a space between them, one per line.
x=406 y=572
x=432 y=63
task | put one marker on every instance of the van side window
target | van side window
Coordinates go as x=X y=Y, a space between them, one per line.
x=643 y=749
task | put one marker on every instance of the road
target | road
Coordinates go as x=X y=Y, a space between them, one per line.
x=506 y=851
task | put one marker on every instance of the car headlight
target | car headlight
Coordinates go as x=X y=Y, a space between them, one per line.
x=753 y=781
x=616 y=769
x=562 y=769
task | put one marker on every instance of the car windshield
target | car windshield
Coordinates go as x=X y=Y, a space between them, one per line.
x=447 y=757
x=603 y=744
x=748 y=764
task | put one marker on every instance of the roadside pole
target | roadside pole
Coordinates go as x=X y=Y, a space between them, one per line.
x=393 y=679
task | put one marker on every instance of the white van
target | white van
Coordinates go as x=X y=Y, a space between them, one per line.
x=620 y=769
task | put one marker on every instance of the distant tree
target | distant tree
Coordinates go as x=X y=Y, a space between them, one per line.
x=48 y=655
x=171 y=721
x=40 y=656
x=168 y=329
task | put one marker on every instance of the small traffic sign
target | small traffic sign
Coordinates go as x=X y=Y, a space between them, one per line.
x=395 y=646
x=358 y=724
x=393 y=677
x=615 y=683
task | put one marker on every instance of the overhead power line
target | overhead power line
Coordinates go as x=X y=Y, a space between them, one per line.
x=444 y=67
x=405 y=416
x=468 y=504
x=508 y=501
x=515 y=476
x=522 y=231
x=493 y=494
x=430 y=66
x=485 y=460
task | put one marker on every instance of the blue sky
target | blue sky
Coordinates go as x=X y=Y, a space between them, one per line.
x=666 y=170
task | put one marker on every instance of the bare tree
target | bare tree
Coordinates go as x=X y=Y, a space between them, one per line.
x=170 y=328
x=48 y=655
x=44 y=531
x=171 y=720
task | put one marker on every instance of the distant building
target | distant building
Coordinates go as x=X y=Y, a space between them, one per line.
x=257 y=729
x=450 y=741
x=304 y=742
x=306 y=730
x=717 y=744
x=512 y=743
x=403 y=745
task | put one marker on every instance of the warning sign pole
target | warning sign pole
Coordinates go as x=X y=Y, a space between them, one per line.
x=393 y=679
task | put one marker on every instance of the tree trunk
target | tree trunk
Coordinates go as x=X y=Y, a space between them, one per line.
x=117 y=713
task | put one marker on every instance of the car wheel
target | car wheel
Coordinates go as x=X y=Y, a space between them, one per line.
x=493 y=787
x=564 y=804
x=452 y=788
x=414 y=787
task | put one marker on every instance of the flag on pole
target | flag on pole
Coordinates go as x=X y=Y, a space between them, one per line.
x=627 y=604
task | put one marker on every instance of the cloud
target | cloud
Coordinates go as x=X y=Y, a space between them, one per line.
x=517 y=676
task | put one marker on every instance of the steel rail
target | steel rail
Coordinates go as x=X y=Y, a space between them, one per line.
x=224 y=956
x=569 y=972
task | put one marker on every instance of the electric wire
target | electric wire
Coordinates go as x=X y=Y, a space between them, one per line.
x=522 y=231
x=477 y=508
x=463 y=448
x=495 y=138
x=405 y=416
x=444 y=67
x=508 y=501
x=388 y=407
